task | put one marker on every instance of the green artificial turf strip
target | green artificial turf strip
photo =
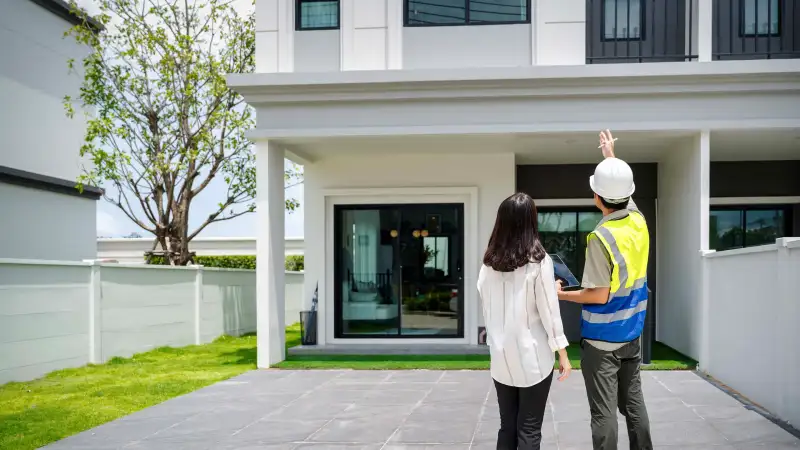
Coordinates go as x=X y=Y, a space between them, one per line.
x=663 y=358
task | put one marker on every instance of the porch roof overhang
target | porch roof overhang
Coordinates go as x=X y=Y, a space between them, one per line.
x=682 y=96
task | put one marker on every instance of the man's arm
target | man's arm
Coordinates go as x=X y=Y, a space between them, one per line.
x=596 y=276
x=586 y=296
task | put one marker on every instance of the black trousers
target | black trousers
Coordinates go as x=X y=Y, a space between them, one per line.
x=521 y=415
x=613 y=382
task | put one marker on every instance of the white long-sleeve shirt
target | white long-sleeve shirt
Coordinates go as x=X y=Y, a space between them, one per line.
x=523 y=322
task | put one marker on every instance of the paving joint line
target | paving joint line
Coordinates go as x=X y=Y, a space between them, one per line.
x=480 y=414
x=306 y=394
x=405 y=419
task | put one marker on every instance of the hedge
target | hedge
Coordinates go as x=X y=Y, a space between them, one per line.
x=294 y=263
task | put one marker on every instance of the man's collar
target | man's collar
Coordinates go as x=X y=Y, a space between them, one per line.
x=619 y=214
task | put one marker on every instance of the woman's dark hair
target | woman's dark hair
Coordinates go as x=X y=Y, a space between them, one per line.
x=515 y=238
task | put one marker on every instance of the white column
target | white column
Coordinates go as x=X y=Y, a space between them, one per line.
x=683 y=209
x=270 y=256
x=95 y=315
x=705 y=30
x=198 y=302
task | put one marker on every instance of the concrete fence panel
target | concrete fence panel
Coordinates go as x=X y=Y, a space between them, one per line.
x=56 y=314
x=752 y=331
x=145 y=307
x=44 y=318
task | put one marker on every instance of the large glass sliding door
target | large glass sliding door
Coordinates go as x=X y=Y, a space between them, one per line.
x=399 y=271
x=564 y=232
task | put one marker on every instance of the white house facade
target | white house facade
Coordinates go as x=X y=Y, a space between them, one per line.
x=415 y=119
x=43 y=215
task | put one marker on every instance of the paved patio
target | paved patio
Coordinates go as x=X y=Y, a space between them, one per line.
x=417 y=410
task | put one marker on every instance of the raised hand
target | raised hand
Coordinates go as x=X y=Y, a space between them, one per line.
x=607 y=143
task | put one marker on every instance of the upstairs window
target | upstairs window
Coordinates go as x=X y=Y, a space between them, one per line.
x=466 y=12
x=622 y=20
x=760 y=17
x=317 y=14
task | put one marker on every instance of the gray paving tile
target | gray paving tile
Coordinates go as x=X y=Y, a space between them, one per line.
x=443 y=431
x=367 y=430
x=753 y=431
x=685 y=433
x=276 y=432
x=352 y=410
x=332 y=446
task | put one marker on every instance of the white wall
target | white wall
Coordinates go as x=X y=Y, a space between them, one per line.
x=37 y=135
x=752 y=327
x=682 y=211
x=317 y=51
x=45 y=310
x=560 y=27
x=372 y=36
x=467 y=46
x=39 y=224
x=494 y=176
x=131 y=250
x=44 y=318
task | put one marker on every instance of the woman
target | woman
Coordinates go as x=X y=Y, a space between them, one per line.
x=523 y=322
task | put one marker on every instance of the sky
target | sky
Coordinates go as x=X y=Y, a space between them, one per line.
x=112 y=222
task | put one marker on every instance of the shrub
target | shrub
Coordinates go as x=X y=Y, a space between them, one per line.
x=294 y=263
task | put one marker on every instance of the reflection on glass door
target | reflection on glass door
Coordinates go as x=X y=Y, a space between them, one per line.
x=564 y=232
x=398 y=271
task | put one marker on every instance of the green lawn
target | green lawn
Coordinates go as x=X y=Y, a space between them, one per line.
x=66 y=402
x=69 y=401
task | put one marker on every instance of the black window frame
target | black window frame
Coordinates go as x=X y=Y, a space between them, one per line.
x=744 y=208
x=466 y=22
x=769 y=33
x=298 y=19
x=642 y=23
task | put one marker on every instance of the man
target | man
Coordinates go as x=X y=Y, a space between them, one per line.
x=614 y=299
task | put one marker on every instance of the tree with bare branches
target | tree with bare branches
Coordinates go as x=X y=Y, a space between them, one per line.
x=164 y=123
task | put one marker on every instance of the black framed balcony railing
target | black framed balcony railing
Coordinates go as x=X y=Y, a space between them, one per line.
x=638 y=31
x=756 y=29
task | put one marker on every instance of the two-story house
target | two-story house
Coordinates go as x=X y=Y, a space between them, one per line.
x=42 y=214
x=415 y=118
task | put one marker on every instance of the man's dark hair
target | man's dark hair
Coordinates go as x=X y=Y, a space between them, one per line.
x=515 y=239
x=614 y=206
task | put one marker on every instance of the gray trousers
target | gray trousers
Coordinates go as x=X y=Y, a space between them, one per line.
x=613 y=381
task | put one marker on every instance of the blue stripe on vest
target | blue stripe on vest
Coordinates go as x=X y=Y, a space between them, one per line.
x=619 y=331
x=619 y=303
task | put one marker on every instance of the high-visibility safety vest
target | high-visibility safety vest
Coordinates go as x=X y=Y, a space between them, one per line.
x=621 y=319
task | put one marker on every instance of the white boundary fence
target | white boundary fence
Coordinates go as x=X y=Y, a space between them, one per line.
x=59 y=314
x=751 y=330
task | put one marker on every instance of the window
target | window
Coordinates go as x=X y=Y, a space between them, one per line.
x=317 y=14
x=466 y=12
x=622 y=19
x=760 y=17
x=564 y=232
x=743 y=226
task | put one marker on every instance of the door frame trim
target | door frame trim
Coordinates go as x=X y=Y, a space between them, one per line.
x=468 y=196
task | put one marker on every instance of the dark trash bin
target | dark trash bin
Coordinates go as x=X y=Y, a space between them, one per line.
x=308 y=327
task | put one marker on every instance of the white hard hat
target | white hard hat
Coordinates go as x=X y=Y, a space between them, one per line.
x=612 y=179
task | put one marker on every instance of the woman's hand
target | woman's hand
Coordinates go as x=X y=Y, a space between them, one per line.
x=564 y=366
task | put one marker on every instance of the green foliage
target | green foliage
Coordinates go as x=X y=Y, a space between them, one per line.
x=164 y=123
x=294 y=263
